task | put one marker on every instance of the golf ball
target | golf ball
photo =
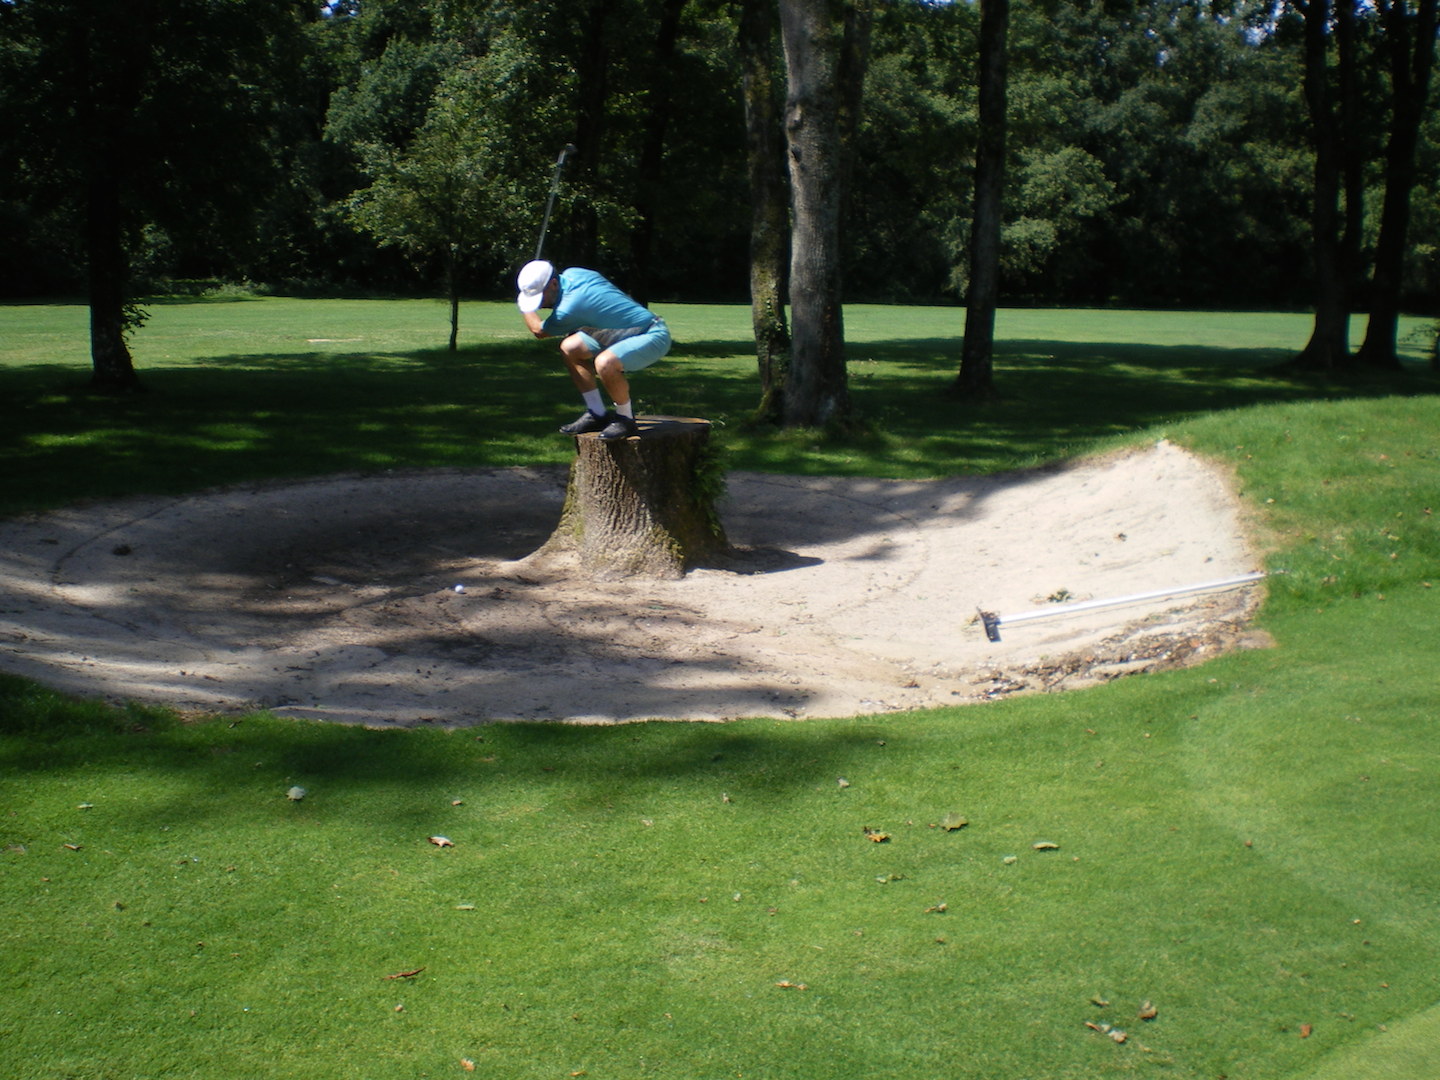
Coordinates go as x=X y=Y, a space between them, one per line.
x=460 y=588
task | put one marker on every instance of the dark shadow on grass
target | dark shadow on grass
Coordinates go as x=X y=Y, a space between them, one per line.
x=220 y=760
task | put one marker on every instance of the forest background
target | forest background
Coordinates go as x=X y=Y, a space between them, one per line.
x=1160 y=152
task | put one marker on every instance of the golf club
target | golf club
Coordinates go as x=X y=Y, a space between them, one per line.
x=570 y=148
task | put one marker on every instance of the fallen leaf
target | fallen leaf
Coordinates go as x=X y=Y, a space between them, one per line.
x=876 y=835
x=405 y=974
x=951 y=822
x=1305 y=1030
x=1148 y=1011
x=786 y=984
x=938 y=909
x=467 y=1064
x=1118 y=1035
x=441 y=841
x=295 y=794
x=1099 y=1001
x=843 y=782
x=71 y=847
x=1045 y=845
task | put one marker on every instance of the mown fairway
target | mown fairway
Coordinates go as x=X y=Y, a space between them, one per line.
x=1248 y=845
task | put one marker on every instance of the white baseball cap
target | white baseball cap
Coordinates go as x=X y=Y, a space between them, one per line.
x=531 y=281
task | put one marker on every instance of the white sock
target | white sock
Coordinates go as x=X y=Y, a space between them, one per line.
x=594 y=402
x=628 y=409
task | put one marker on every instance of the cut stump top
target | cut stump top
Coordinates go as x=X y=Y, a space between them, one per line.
x=660 y=427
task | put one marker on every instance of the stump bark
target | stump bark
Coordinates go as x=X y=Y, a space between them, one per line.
x=642 y=506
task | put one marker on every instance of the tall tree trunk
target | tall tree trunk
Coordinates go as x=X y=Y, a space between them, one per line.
x=975 y=380
x=592 y=92
x=1351 y=151
x=452 y=291
x=1329 y=345
x=816 y=386
x=769 y=201
x=112 y=367
x=108 y=78
x=1410 y=39
x=652 y=150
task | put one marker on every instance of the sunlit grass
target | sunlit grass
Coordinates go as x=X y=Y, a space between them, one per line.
x=1245 y=844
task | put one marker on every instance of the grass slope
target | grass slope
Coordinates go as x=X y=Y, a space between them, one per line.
x=1247 y=845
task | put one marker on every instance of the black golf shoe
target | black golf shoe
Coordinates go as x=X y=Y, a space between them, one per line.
x=620 y=427
x=587 y=422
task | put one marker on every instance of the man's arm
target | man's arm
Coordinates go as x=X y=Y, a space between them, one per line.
x=535 y=323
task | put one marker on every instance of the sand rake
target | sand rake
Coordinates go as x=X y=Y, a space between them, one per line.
x=993 y=622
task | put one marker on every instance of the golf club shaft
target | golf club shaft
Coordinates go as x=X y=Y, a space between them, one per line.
x=550 y=202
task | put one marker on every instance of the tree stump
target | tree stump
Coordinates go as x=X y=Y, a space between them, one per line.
x=642 y=506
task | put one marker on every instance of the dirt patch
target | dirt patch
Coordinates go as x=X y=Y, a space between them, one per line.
x=407 y=598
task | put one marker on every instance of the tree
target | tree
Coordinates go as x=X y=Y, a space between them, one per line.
x=1329 y=344
x=130 y=115
x=975 y=380
x=825 y=44
x=1410 y=47
x=435 y=197
x=769 y=208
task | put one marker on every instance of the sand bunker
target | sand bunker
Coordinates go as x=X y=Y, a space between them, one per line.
x=404 y=598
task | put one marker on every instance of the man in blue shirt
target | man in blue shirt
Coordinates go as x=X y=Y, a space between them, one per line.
x=605 y=335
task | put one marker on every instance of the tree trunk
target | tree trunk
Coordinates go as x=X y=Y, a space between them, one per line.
x=650 y=183
x=1329 y=345
x=452 y=289
x=112 y=368
x=642 y=506
x=769 y=209
x=816 y=387
x=592 y=92
x=108 y=78
x=975 y=380
x=1411 y=41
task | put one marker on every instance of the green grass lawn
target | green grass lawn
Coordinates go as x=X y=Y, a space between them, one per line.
x=1249 y=845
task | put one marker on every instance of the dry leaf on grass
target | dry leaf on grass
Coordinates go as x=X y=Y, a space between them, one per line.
x=951 y=822
x=1148 y=1011
x=405 y=974
x=786 y=984
x=441 y=841
x=1044 y=845
x=876 y=835
x=467 y=1064
x=1106 y=1030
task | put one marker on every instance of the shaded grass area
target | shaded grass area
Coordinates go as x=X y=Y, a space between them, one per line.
x=1246 y=844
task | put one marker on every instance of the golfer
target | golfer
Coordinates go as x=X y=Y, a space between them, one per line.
x=605 y=334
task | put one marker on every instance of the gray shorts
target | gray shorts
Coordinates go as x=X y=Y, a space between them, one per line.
x=637 y=346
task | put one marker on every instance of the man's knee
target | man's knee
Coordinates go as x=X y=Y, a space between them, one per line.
x=608 y=364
